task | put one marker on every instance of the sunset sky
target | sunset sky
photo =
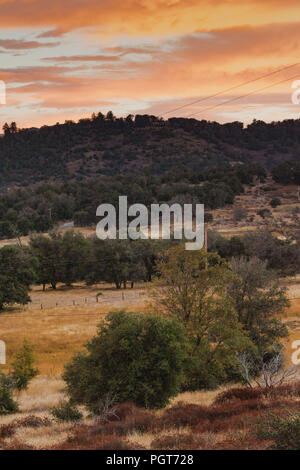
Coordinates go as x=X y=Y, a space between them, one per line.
x=66 y=59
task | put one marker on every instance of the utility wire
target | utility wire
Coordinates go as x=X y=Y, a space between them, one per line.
x=230 y=89
x=243 y=96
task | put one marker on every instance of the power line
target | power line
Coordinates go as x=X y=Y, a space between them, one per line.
x=230 y=89
x=242 y=96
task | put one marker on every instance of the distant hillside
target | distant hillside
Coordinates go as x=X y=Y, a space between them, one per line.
x=106 y=145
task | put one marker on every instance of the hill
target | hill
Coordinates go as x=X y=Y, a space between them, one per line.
x=64 y=172
x=106 y=145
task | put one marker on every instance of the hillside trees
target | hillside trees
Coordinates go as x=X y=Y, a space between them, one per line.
x=258 y=301
x=46 y=250
x=114 y=261
x=287 y=173
x=60 y=257
x=281 y=255
x=17 y=273
x=193 y=288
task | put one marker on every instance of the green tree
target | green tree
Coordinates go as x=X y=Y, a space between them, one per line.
x=7 y=403
x=259 y=301
x=47 y=252
x=193 y=289
x=114 y=261
x=72 y=256
x=23 y=370
x=17 y=273
x=134 y=357
x=275 y=202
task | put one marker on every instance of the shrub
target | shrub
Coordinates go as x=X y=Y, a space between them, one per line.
x=7 y=430
x=7 y=403
x=241 y=393
x=85 y=439
x=65 y=411
x=134 y=357
x=275 y=202
x=32 y=422
x=264 y=213
x=139 y=421
x=208 y=217
x=176 y=441
x=247 y=393
x=239 y=213
x=23 y=366
x=181 y=415
x=283 y=431
x=114 y=444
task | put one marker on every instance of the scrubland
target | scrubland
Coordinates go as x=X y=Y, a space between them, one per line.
x=193 y=420
x=223 y=419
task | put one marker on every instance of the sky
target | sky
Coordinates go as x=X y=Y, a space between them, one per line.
x=67 y=59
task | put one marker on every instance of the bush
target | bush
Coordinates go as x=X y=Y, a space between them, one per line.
x=134 y=357
x=284 y=432
x=275 y=202
x=264 y=213
x=23 y=369
x=259 y=393
x=7 y=403
x=65 y=411
x=208 y=217
x=139 y=421
x=7 y=430
x=32 y=421
x=239 y=213
x=176 y=441
x=238 y=393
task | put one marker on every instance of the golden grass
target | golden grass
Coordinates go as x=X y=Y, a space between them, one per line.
x=46 y=391
x=44 y=437
x=145 y=439
x=199 y=397
x=58 y=332
x=43 y=393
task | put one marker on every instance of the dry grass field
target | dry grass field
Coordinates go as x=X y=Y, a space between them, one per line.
x=61 y=328
x=70 y=316
x=59 y=322
x=57 y=332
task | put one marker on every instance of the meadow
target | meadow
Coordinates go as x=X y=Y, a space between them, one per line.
x=57 y=332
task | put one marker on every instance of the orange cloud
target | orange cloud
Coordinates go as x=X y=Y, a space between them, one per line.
x=135 y=55
x=140 y=17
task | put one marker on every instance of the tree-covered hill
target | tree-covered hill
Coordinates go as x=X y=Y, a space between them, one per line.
x=64 y=172
x=106 y=145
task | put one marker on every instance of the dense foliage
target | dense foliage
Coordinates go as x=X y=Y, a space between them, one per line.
x=39 y=208
x=134 y=357
x=17 y=273
x=193 y=289
x=23 y=371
